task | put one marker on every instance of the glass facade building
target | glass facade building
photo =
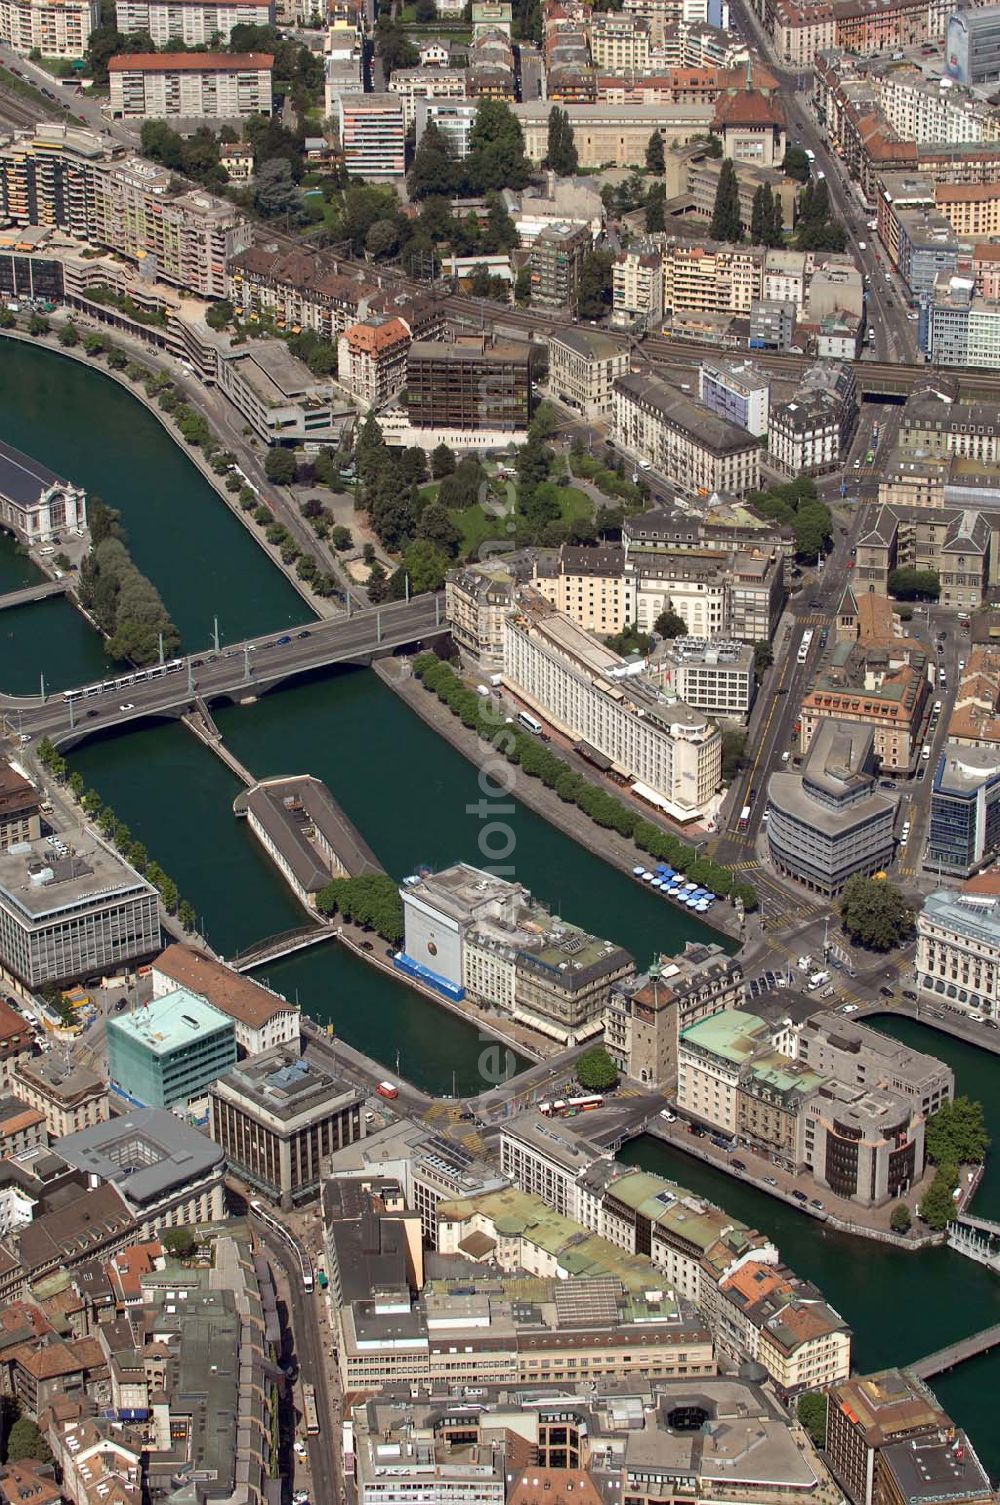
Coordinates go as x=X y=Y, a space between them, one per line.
x=964 y=829
x=170 y=1051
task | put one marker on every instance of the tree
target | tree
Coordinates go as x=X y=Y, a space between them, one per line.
x=68 y=336
x=496 y=158
x=595 y=1070
x=561 y=154
x=655 y=161
x=394 y=46
x=219 y=314
x=340 y=538
x=733 y=754
x=437 y=528
x=726 y=213
x=956 y=1133
x=669 y=625
x=763 y=657
x=900 y=1220
x=656 y=199
x=875 y=914
x=186 y=915
x=38 y=324
x=425 y=11
x=762 y=215
x=426 y=566
x=796 y=164
x=522 y=287
x=908 y=584
x=26 y=1440
x=180 y=1242
x=777 y=235
x=433 y=171
x=811 y=1412
x=280 y=466
x=442 y=461
x=274 y=191
x=382 y=239
x=593 y=288
x=937 y=1205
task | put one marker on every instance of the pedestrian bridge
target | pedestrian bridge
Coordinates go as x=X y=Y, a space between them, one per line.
x=284 y=944
x=238 y=672
x=956 y=1353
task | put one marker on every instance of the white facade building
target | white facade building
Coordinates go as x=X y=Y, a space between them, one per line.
x=453 y=118
x=737 y=393
x=637 y=288
x=57 y=28
x=373 y=135
x=695 y=450
x=412 y=84
x=958 y=950
x=35 y=504
x=673 y=753
x=193 y=22
x=190 y=85
x=583 y=367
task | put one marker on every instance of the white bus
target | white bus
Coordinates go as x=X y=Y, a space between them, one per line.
x=529 y=723
x=805 y=645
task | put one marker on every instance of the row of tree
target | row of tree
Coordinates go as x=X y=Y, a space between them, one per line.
x=115 y=831
x=370 y=900
x=125 y=604
x=539 y=761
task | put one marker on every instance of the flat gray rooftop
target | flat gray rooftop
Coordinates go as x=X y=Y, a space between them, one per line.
x=22 y=478
x=39 y=879
x=145 y=1154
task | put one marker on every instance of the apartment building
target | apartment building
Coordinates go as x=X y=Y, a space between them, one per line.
x=55 y=28
x=469 y=385
x=868 y=1415
x=196 y=23
x=708 y=277
x=831 y=821
x=802 y=1341
x=190 y=85
x=620 y=43
x=477 y=600
x=801 y=29
x=590 y=586
x=70 y=179
x=371 y=359
x=453 y=118
x=737 y=392
x=645 y=1014
x=413 y=84
x=637 y=288
x=70 y=1097
x=812 y=431
x=714 y=675
x=883 y=687
x=372 y=135
x=583 y=367
x=694 y=449
x=933 y=109
x=672 y=752
x=958 y=949
x=296 y=288
x=556 y=256
x=975 y=715
x=970 y=430
x=960 y=328
x=972 y=209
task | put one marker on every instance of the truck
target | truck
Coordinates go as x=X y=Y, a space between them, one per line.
x=816 y=981
x=387 y=1089
x=744 y=817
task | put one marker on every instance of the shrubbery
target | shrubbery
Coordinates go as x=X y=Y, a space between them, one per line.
x=124 y=603
x=540 y=762
x=371 y=900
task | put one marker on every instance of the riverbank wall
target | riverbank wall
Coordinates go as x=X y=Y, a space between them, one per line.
x=617 y=850
x=320 y=605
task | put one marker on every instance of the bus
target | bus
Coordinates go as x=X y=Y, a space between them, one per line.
x=562 y=1107
x=529 y=723
x=805 y=645
x=310 y=1411
x=744 y=818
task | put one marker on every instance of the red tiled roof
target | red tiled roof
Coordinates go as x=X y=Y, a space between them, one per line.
x=748 y=107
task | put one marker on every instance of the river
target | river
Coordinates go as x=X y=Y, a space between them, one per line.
x=415 y=799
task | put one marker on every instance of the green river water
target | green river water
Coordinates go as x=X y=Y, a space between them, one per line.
x=414 y=799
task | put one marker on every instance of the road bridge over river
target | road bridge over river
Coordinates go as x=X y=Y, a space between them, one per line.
x=237 y=672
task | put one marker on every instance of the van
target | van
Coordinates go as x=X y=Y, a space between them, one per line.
x=483 y=690
x=937 y=707
x=925 y=752
x=816 y=981
x=46 y=549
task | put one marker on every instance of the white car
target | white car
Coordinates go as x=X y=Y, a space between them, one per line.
x=300 y=1448
x=862 y=246
x=127 y=706
x=669 y=1117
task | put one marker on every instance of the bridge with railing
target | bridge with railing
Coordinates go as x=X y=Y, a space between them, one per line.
x=239 y=672
x=956 y=1353
x=285 y=943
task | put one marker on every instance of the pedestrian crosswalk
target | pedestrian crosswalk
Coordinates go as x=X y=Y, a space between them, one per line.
x=745 y=867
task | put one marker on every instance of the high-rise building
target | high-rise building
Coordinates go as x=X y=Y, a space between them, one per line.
x=190 y=85
x=195 y=22
x=557 y=253
x=170 y=1050
x=372 y=135
x=972 y=45
x=736 y=392
x=964 y=830
x=471 y=384
x=55 y=28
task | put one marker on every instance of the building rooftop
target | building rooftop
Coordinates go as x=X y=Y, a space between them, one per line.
x=692 y=418
x=190 y=62
x=934 y=1470
x=64 y=1080
x=43 y=878
x=172 y=1022
x=285 y=1089
x=733 y=1034
x=145 y=1154
x=22 y=478
x=301 y=817
x=228 y=991
x=592 y=344
x=888 y=1404
x=973 y=914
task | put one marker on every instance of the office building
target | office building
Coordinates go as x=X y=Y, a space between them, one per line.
x=614 y=134
x=261 y=1018
x=709 y=674
x=55 y=28
x=850 y=1051
x=682 y=440
x=20 y=809
x=279 y=1118
x=556 y=256
x=583 y=365
x=972 y=45
x=831 y=821
x=671 y=752
x=67 y=915
x=167 y=1173
x=73 y=180
x=196 y=23
x=964 y=829
x=169 y=1051
x=637 y=288
x=468 y=385
x=736 y=392
x=372 y=135
x=71 y=1097
x=467 y=933
x=371 y=359
x=35 y=504
x=644 y=1014
x=959 y=328
x=772 y=324
x=958 y=950
x=867 y=1415
x=190 y=85
x=276 y=393
x=879 y=685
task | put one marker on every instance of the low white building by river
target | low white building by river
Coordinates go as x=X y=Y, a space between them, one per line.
x=35 y=503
